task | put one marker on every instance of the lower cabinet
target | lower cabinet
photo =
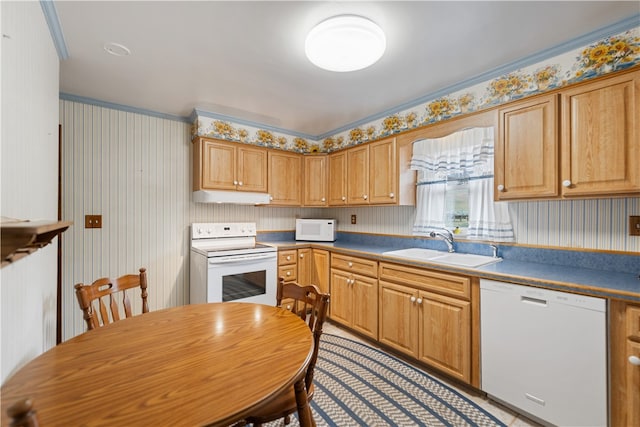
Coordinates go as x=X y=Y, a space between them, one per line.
x=354 y=296
x=624 y=353
x=428 y=316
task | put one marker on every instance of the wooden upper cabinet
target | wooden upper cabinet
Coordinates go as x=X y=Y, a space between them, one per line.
x=337 y=179
x=383 y=173
x=285 y=178
x=526 y=150
x=315 y=180
x=601 y=138
x=358 y=175
x=220 y=165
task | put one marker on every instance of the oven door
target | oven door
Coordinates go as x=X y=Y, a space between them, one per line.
x=243 y=278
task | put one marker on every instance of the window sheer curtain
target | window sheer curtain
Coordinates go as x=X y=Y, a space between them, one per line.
x=468 y=152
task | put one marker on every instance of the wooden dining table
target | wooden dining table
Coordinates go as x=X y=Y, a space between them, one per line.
x=193 y=365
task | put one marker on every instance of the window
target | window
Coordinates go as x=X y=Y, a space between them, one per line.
x=455 y=187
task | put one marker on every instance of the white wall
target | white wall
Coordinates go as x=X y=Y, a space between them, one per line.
x=29 y=175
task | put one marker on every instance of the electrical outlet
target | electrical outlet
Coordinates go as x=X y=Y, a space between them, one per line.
x=353 y=219
x=634 y=225
x=93 y=221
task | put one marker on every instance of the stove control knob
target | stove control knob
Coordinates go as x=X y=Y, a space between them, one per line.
x=199 y=230
x=209 y=231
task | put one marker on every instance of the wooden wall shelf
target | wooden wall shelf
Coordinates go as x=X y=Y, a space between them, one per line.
x=20 y=238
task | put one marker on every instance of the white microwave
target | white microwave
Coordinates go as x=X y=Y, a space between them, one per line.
x=316 y=230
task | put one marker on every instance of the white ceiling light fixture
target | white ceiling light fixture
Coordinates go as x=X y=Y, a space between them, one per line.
x=117 y=49
x=345 y=43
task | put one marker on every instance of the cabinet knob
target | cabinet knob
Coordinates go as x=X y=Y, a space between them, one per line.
x=413 y=299
x=240 y=183
x=301 y=255
x=288 y=273
x=391 y=195
x=288 y=257
x=344 y=198
x=566 y=183
x=235 y=182
x=419 y=300
x=323 y=200
x=634 y=360
x=500 y=187
x=350 y=264
x=271 y=198
x=365 y=197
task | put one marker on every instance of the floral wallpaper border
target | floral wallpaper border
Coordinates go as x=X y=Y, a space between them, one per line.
x=605 y=56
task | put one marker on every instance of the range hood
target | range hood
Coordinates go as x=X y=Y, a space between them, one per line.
x=231 y=197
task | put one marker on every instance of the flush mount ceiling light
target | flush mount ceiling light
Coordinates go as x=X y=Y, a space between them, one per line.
x=117 y=49
x=345 y=43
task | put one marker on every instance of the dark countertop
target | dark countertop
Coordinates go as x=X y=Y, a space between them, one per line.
x=585 y=281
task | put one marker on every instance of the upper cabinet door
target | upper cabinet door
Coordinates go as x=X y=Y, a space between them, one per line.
x=218 y=165
x=601 y=139
x=252 y=169
x=383 y=173
x=285 y=178
x=358 y=175
x=337 y=179
x=315 y=180
x=526 y=151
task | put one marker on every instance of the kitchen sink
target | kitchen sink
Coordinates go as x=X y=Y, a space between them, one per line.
x=440 y=257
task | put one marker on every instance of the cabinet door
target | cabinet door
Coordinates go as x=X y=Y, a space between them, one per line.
x=601 y=139
x=320 y=275
x=365 y=305
x=341 y=297
x=398 y=325
x=445 y=334
x=526 y=155
x=252 y=169
x=337 y=179
x=358 y=175
x=383 y=178
x=219 y=165
x=305 y=266
x=315 y=180
x=632 y=404
x=285 y=178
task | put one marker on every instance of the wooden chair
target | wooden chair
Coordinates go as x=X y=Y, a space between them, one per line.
x=22 y=414
x=311 y=305
x=111 y=290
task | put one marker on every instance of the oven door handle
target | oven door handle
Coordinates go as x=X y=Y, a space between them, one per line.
x=240 y=258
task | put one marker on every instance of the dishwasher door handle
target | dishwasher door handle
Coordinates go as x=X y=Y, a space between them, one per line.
x=533 y=301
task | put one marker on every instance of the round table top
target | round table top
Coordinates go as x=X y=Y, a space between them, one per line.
x=190 y=365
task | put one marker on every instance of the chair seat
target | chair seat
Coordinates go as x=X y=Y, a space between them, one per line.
x=283 y=405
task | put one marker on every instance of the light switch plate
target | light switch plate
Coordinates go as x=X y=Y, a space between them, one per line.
x=634 y=225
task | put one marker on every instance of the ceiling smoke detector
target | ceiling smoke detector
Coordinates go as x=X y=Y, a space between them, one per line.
x=345 y=43
x=117 y=49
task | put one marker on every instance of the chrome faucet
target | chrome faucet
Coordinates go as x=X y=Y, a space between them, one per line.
x=448 y=238
x=495 y=250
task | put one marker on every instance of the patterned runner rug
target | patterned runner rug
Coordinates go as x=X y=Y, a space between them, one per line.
x=357 y=385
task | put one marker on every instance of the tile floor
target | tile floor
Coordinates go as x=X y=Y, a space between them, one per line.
x=506 y=415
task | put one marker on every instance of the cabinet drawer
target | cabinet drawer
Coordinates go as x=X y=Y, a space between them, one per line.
x=633 y=322
x=351 y=264
x=448 y=284
x=288 y=272
x=287 y=257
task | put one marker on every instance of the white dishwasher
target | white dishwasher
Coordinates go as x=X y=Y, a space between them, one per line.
x=545 y=352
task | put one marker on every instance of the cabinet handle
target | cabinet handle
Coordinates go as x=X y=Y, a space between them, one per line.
x=350 y=264
x=391 y=195
x=344 y=198
x=288 y=257
x=500 y=187
x=413 y=299
x=271 y=198
x=240 y=183
x=288 y=273
x=301 y=255
x=566 y=183
x=365 y=197
x=235 y=182
x=634 y=360
x=323 y=200
x=419 y=300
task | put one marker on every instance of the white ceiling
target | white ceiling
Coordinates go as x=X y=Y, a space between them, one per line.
x=246 y=59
